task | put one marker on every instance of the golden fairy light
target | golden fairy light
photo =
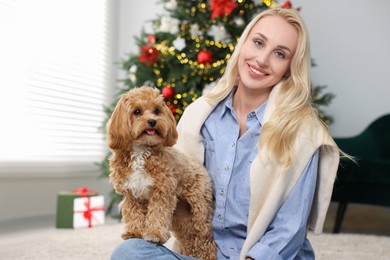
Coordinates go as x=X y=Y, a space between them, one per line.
x=202 y=7
x=270 y=3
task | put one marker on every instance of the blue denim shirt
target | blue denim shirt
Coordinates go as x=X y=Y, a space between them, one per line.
x=228 y=159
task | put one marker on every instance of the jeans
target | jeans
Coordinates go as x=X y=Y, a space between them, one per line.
x=139 y=249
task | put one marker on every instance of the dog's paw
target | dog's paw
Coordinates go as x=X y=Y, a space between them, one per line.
x=157 y=236
x=131 y=234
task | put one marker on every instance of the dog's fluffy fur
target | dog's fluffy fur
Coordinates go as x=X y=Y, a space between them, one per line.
x=164 y=190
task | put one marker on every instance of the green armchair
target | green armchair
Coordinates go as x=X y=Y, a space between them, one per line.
x=368 y=181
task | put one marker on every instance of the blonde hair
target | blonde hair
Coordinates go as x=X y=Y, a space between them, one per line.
x=294 y=103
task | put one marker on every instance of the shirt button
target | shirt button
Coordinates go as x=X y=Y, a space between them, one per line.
x=233 y=144
x=226 y=168
x=252 y=114
x=222 y=193
x=219 y=217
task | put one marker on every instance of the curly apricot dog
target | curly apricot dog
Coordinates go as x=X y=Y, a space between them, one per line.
x=164 y=190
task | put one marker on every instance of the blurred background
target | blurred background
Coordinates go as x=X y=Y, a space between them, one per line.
x=59 y=69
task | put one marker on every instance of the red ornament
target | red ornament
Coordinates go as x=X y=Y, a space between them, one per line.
x=168 y=92
x=173 y=108
x=149 y=55
x=205 y=57
x=287 y=5
x=221 y=7
x=152 y=39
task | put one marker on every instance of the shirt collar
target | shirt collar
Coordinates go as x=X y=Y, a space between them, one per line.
x=228 y=107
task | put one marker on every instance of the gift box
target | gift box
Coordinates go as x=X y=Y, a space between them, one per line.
x=79 y=208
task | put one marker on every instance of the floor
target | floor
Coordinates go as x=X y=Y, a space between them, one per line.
x=18 y=230
x=361 y=219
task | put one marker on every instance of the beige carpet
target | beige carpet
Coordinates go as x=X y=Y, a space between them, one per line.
x=365 y=236
x=98 y=242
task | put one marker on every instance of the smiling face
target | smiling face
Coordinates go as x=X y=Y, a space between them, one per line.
x=266 y=54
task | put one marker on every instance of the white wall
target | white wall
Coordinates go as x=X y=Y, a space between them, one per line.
x=350 y=42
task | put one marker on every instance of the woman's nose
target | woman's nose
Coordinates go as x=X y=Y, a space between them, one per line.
x=262 y=59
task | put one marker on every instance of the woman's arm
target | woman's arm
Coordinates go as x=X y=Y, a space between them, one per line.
x=287 y=232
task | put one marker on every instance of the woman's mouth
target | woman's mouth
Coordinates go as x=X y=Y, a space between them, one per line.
x=257 y=72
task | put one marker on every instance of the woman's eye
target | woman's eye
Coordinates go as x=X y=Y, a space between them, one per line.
x=137 y=112
x=258 y=43
x=280 y=54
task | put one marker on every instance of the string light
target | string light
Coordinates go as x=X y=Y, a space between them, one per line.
x=202 y=7
x=270 y=3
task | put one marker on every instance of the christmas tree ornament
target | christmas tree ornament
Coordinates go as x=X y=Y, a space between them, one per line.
x=219 y=33
x=149 y=55
x=205 y=57
x=168 y=92
x=171 y=5
x=173 y=108
x=179 y=44
x=195 y=31
x=169 y=25
x=287 y=5
x=152 y=39
x=239 y=21
x=131 y=74
x=220 y=8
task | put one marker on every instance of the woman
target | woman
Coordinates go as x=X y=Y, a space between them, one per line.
x=272 y=161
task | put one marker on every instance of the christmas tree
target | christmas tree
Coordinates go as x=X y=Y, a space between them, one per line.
x=188 y=51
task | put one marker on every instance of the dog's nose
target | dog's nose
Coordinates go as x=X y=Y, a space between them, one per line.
x=152 y=122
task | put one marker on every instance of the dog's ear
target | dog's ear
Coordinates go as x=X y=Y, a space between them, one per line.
x=172 y=135
x=118 y=127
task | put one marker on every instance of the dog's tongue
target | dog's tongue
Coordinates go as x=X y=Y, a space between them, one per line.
x=150 y=131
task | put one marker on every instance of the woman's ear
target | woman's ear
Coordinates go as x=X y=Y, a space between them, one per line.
x=118 y=129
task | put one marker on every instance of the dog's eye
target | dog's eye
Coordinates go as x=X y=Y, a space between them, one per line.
x=137 y=112
x=156 y=111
